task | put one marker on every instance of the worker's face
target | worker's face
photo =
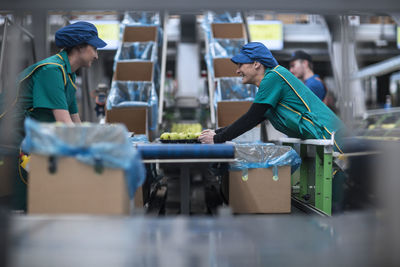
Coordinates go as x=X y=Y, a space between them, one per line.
x=247 y=72
x=88 y=55
x=297 y=67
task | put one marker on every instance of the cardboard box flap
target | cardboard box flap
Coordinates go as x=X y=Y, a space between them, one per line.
x=230 y=111
x=228 y=30
x=134 y=118
x=224 y=67
x=139 y=34
x=133 y=71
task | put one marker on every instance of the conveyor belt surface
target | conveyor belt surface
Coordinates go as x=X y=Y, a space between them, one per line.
x=183 y=151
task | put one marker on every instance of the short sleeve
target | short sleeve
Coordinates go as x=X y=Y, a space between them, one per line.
x=49 y=89
x=270 y=90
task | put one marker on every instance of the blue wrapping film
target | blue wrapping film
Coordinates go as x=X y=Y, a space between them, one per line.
x=141 y=18
x=223 y=17
x=185 y=151
x=136 y=51
x=129 y=91
x=264 y=155
x=225 y=47
x=139 y=138
x=232 y=89
x=134 y=93
x=88 y=143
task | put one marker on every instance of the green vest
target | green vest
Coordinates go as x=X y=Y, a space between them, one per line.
x=296 y=110
x=41 y=91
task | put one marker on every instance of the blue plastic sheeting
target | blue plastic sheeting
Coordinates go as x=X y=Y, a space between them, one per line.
x=233 y=89
x=136 y=50
x=141 y=18
x=264 y=155
x=223 y=17
x=225 y=47
x=128 y=91
x=133 y=93
x=186 y=151
x=89 y=143
x=139 y=138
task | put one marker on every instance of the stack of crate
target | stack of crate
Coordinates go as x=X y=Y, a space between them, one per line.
x=225 y=35
x=133 y=98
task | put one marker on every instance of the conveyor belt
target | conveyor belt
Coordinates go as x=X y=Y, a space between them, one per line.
x=186 y=151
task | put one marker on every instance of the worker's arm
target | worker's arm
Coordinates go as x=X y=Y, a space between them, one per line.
x=62 y=115
x=75 y=118
x=252 y=118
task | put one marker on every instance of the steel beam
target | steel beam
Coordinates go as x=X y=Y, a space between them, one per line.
x=306 y=6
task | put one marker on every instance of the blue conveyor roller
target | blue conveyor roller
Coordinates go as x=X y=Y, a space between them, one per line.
x=186 y=151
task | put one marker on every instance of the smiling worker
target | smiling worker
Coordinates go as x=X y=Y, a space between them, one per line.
x=284 y=100
x=46 y=89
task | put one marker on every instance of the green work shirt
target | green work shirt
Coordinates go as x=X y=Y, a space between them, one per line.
x=44 y=86
x=296 y=111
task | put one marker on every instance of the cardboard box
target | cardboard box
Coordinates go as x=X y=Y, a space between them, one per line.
x=260 y=193
x=230 y=111
x=134 y=71
x=224 y=67
x=139 y=34
x=138 y=199
x=134 y=118
x=75 y=188
x=229 y=30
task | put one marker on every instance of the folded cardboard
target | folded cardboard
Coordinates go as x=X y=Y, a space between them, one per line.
x=133 y=71
x=224 y=67
x=75 y=188
x=134 y=118
x=139 y=34
x=228 y=30
x=230 y=111
x=260 y=192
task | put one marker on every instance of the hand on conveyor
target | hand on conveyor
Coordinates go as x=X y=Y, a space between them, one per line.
x=207 y=136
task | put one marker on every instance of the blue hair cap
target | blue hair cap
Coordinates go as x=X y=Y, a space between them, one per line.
x=80 y=32
x=255 y=51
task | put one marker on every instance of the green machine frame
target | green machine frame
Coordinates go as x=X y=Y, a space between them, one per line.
x=315 y=175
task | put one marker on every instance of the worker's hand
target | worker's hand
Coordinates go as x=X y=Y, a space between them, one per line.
x=207 y=136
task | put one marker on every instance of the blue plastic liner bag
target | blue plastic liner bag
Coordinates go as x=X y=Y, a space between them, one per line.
x=232 y=89
x=90 y=143
x=264 y=155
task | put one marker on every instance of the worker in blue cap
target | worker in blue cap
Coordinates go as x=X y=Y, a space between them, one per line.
x=290 y=106
x=46 y=89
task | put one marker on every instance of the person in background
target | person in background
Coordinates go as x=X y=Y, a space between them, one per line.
x=46 y=89
x=301 y=66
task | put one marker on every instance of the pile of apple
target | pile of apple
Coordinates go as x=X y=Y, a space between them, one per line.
x=186 y=127
x=180 y=136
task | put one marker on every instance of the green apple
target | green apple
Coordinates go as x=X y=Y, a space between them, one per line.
x=165 y=136
x=192 y=136
x=182 y=136
x=174 y=136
